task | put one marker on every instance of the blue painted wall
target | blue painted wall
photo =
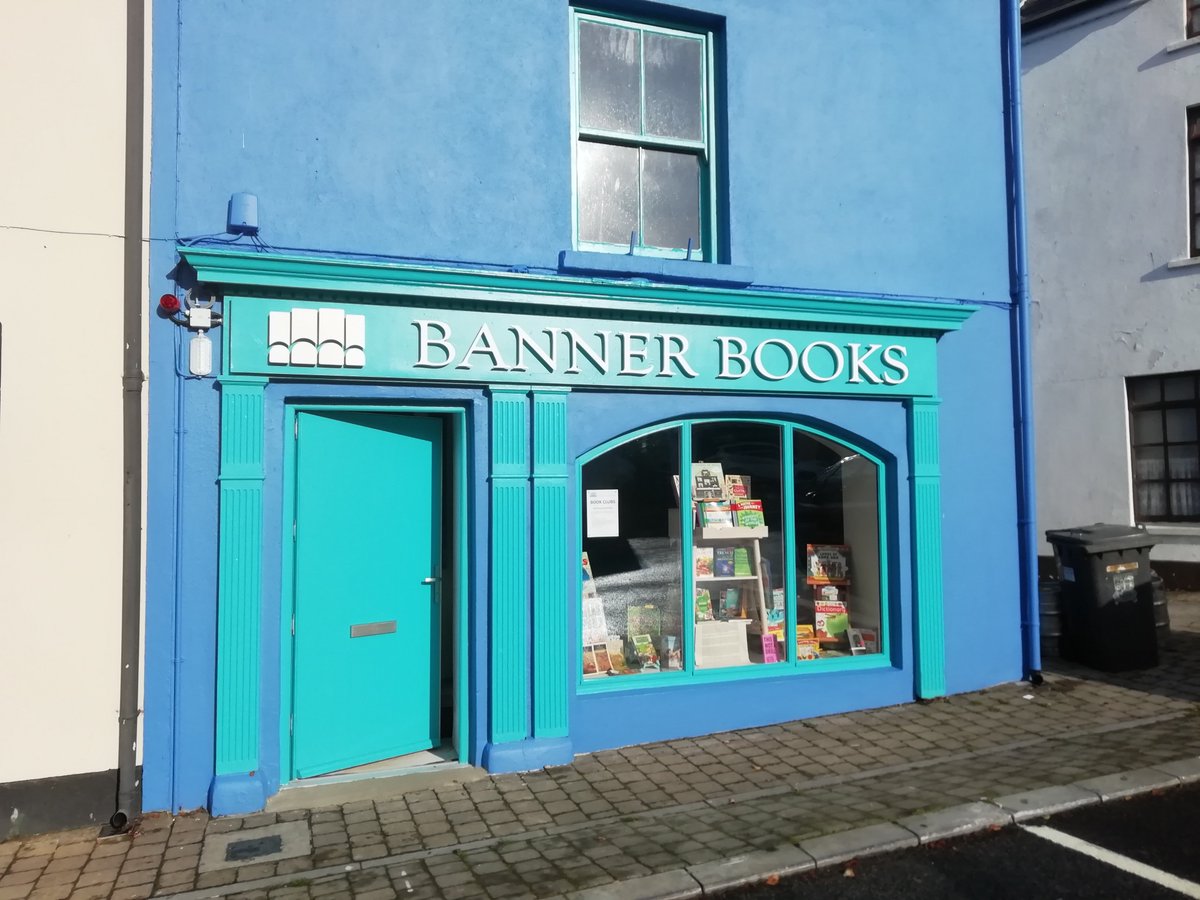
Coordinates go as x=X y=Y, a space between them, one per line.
x=865 y=153
x=865 y=140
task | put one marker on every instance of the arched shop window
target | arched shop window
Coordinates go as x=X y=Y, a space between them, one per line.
x=777 y=552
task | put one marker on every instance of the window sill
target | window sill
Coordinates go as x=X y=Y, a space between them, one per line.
x=1182 y=45
x=655 y=268
x=873 y=662
x=1174 y=532
x=1184 y=262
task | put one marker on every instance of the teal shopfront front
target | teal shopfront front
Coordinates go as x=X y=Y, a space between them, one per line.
x=502 y=519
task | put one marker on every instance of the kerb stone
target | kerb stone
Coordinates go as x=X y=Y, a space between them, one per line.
x=955 y=820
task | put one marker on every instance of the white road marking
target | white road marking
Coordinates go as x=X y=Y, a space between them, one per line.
x=1124 y=863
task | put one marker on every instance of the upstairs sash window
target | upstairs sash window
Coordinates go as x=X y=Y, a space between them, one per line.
x=643 y=138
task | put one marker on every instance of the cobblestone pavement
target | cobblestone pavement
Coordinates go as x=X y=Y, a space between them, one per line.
x=652 y=808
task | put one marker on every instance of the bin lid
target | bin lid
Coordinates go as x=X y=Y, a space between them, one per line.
x=1100 y=537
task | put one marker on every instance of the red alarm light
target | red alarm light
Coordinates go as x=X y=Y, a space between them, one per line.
x=168 y=303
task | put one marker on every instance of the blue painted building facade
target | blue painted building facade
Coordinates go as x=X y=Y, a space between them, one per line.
x=431 y=312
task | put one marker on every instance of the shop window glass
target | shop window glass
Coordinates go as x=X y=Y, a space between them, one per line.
x=737 y=537
x=778 y=553
x=839 y=589
x=632 y=573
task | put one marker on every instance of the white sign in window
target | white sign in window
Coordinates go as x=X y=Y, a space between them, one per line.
x=602 y=514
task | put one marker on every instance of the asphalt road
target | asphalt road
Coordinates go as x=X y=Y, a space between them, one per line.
x=1159 y=830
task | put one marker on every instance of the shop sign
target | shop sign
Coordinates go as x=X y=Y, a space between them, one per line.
x=389 y=342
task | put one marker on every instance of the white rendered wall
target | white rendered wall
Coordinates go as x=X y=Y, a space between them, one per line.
x=1106 y=181
x=62 y=92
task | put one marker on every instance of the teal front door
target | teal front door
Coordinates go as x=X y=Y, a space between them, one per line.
x=367 y=606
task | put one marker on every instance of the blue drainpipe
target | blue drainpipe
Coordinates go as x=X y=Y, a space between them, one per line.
x=1022 y=353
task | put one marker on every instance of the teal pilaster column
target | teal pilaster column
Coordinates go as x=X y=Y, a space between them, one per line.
x=510 y=571
x=550 y=531
x=925 y=479
x=238 y=786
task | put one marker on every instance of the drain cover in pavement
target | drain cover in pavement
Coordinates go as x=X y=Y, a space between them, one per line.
x=243 y=851
x=269 y=843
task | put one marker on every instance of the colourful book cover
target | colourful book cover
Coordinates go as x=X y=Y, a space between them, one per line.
x=645 y=619
x=807 y=646
x=643 y=646
x=737 y=487
x=704 y=610
x=768 y=649
x=776 y=626
x=828 y=564
x=603 y=662
x=589 y=584
x=716 y=514
x=672 y=651
x=723 y=562
x=741 y=562
x=732 y=600
x=616 y=654
x=749 y=513
x=708 y=481
x=589 y=660
x=704 y=562
x=831 y=616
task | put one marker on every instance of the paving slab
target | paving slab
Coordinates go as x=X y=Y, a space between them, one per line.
x=1127 y=784
x=832 y=849
x=1045 y=801
x=955 y=821
x=752 y=868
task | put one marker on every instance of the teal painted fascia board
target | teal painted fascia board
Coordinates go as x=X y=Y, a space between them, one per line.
x=313 y=273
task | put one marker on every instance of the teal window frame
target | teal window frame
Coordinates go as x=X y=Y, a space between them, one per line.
x=705 y=149
x=789 y=666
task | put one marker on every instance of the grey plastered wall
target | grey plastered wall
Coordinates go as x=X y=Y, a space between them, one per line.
x=1105 y=110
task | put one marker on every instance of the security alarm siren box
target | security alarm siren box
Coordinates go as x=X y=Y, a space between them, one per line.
x=243 y=214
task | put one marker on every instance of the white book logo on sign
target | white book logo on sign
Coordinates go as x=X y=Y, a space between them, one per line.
x=316 y=337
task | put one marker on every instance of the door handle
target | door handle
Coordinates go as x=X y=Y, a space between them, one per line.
x=430 y=580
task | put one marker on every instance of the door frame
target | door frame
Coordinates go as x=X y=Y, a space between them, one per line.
x=454 y=560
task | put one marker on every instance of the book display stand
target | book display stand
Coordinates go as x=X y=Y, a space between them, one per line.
x=725 y=642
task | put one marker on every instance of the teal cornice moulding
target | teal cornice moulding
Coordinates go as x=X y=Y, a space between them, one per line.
x=319 y=274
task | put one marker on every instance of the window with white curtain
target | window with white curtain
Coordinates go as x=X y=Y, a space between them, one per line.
x=1164 y=430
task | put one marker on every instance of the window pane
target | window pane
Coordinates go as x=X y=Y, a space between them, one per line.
x=674 y=86
x=671 y=199
x=838 y=608
x=1152 y=499
x=608 y=192
x=632 y=589
x=738 y=545
x=1149 y=463
x=1185 y=461
x=1185 y=499
x=1180 y=387
x=1147 y=427
x=1181 y=424
x=1145 y=390
x=610 y=78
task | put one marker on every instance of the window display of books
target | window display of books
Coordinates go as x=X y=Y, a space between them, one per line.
x=642 y=648
x=728 y=570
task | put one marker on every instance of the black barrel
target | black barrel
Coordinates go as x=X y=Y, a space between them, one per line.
x=1162 y=614
x=1050 y=616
